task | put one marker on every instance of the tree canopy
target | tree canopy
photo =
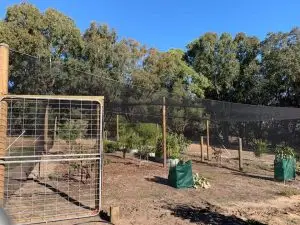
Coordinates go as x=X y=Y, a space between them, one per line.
x=49 y=55
x=236 y=68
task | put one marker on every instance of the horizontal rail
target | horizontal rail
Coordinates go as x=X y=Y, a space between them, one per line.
x=37 y=156
x=47 y=160
x=56 y=97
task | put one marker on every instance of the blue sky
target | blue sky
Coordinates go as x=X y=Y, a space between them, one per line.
x=168 y=24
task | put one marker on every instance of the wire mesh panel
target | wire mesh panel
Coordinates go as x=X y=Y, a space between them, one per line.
x=53 y=158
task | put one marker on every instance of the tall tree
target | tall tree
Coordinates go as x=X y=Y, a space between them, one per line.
x=216 y=59
x=281 y=67
x=48 y=37
x=247 y=88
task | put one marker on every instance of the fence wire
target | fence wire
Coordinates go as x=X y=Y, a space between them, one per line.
x=53 y=156
x=136 y=104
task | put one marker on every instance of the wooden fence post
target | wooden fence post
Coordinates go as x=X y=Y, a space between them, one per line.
x=114 y=214
x=207 y=140
x=240 y=154
x=118 y=135
x=4 y=59
x=202 y=149
x=164 y=132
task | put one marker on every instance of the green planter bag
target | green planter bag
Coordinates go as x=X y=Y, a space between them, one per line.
x=285 y=169
x=181 y=176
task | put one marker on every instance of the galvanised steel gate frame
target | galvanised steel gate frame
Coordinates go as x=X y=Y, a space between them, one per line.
x=51 y=157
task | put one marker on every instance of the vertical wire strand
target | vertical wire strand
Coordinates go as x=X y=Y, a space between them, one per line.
x=80 y=165
x=69 y=163
x=91 y=112
x=57 y=182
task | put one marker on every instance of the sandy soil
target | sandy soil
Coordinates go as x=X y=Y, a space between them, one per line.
x=142 y=192
x=234 y=198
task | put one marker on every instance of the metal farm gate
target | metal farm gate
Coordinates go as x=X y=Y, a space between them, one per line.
x=51 y=157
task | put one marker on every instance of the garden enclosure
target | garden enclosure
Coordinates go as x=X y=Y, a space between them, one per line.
x=51 y=154
x=132 y=120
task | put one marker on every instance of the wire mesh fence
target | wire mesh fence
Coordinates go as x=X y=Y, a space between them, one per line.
x=53 y=157
x=133 y=119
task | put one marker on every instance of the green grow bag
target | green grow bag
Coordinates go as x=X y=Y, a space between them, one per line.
x=285 y=169
x=181 y=176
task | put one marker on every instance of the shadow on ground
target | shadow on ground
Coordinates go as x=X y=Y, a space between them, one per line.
x=254 y=176
x=214 y=164
x=64 y=195
x=207 y=216
x=237 y=172
x=159 y=180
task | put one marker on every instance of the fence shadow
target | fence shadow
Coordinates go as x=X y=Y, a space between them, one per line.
x=64 y=195
x=261 y=177
x=159 y=180
x=207 y=216
x=213 y=164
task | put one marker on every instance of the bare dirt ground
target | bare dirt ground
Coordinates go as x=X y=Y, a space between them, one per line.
x=144 y=196
x=234 y=198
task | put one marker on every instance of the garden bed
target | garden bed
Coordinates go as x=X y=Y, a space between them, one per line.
x=145 y=197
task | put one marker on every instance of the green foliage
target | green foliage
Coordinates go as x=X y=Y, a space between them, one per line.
x=110 y=146
x=128 y=137
x=237 y=68
x=260 y=147
x=200 y=181
x=284 y=152
x=72 y=130
x=176 y=144
x=148 y=133
x=215 y=58
x=142 y=136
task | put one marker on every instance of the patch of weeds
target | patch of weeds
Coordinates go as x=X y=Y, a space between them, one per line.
x=260 y=147
x=289 y=192
x=107 y=161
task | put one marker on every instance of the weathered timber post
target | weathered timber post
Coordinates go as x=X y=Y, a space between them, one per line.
x=207 y=140
x=118 y=135
x=240 y=154
x=4 y=60
x=114 y=214
x=202 y=149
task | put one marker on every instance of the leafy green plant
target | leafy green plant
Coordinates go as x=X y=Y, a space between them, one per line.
x=142 y=136
x=110 y=146
x=284 y=152
x=129 y=140
x=259 y=146
x=148 y=133
x=176 y=144
x=200 y=181
x=72 y=130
